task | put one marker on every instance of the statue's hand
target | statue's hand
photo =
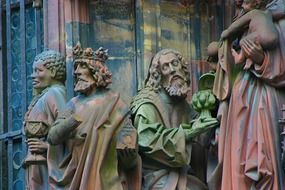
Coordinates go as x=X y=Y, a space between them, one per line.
x=75 y=119
x=37 y=146
x=225 y=34
x=253 y=50
x=128 y=157
x=199 y=126
x=206 y=122
x=239 y=58
x=72 y=121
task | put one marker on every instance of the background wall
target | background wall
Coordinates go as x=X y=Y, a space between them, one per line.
x=134 y=31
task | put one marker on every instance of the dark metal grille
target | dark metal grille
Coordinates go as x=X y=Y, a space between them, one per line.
x=21 y=39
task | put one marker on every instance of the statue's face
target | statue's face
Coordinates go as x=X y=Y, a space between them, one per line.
x=41 y=76
x=173 y=77
x=84 y=79
x=238 y=3
x=249 y=5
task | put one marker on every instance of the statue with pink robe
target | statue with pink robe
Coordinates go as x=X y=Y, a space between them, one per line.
x=250 y=104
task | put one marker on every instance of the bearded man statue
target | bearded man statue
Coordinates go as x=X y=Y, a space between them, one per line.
x=88 y=129
x=162 y=117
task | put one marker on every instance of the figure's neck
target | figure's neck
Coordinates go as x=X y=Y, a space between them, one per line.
x=91 y=91
x=44 y=90
x=37 y=92
x=53 y=83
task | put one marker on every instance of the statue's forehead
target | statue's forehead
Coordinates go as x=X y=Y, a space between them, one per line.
x=166 y=58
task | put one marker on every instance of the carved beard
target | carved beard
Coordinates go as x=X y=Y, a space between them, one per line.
x=177 y=87
x=83 y=86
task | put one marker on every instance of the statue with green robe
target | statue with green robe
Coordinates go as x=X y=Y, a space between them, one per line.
x=173 y=155
x=90 y=130
x=49 y=99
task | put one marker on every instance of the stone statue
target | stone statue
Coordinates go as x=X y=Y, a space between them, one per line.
x=163 y=118
x=260 y=29
x=88 y=131
x=50 y=97
x=238 y=8
x=250 y=104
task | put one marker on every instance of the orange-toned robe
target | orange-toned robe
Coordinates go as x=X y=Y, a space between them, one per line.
x=249 y=144
x=89 y=159
x=44 y=107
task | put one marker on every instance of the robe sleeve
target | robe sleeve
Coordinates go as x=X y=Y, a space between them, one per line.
x=54 y=103
x=63 y=126
x=61 y=130
x=165 y=145
x=272 y=70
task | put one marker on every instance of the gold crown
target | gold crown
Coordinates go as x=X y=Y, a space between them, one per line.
x=100 y=54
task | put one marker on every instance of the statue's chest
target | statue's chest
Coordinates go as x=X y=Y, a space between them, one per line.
x=177 y=114
x=38 y=111
x=91 y=109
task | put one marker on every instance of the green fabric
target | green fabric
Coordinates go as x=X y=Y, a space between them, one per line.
x=162 y=123
x=166 y=145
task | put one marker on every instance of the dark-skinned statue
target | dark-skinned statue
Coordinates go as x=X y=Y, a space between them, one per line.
x=250 y=102
x=49 y=99
x=90 y=131
x=164 y=121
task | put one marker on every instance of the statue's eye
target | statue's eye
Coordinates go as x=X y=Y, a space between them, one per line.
x=165 y=66
x=38 y=70
x=175 y=63
x=83 y=65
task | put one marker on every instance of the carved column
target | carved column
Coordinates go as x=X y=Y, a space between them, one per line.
x=65 y=23
x=54 y=37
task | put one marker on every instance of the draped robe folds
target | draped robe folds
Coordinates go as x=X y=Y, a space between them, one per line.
x=45 y=109
x=165 y=153
x=88 y=160
x=249 y=142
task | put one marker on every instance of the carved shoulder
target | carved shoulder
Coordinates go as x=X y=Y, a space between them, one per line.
x=145 y=96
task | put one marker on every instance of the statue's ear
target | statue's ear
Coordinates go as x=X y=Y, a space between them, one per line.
x=52 y=72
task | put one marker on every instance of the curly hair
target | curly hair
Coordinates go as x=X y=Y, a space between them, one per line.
x=153 y=79
x=53 y=60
